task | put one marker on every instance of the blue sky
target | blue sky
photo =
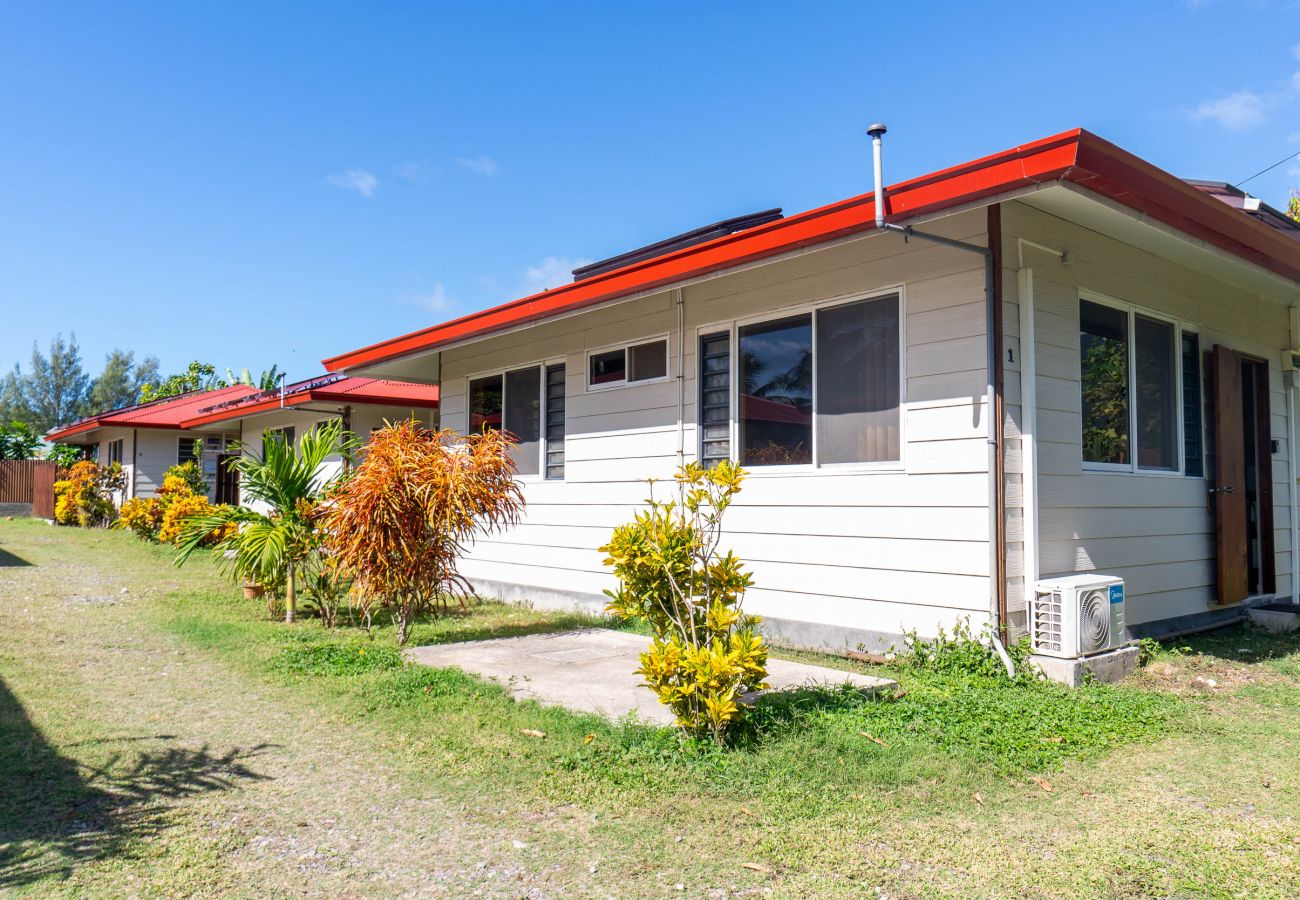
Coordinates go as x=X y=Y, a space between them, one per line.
x=250 y=184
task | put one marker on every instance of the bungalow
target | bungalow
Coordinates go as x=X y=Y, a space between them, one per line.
x=363 y=404
x=147 y=439
x=1054 y=360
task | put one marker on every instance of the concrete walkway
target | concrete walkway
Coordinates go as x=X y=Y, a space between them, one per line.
x=593 y=670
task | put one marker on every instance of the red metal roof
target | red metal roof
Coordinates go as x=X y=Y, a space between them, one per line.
x=327 y=388
x=168 y=412
x=1077 y=157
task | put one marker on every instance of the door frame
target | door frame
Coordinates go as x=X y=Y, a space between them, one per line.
x=1264 y=470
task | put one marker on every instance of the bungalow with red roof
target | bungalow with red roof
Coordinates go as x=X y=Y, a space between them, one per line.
x=363 y=404
x=1050 y=390
x=148 y=439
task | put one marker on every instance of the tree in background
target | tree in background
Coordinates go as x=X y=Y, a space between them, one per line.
x=53 y=392
x=121 y=381
x=18 y=441
x=1293 y=206
x=268 y=380
x=198 y=376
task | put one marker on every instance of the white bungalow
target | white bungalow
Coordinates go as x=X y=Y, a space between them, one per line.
x=148 y=439
x=925 y=443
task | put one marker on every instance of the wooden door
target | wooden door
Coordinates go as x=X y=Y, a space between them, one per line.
x=44 y=474
x=1229 y=490
x=227 y=480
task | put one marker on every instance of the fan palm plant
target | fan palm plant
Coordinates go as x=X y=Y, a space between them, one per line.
x=273 y=547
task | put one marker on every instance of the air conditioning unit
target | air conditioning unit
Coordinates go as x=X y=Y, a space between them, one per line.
x=1077 y=615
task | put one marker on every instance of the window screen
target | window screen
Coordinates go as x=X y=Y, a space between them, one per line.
x=1103 y=383
x=776 y=392
x=715 y=398
x=1193 y=440
x=858 y=382
x=523 y=417
x=648 y=361
x=555 y=422
x=1157 y=394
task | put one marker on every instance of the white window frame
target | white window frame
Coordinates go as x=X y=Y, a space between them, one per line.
x=543 y=443
x=626 y=346
x=120 y=444
x=1132 y=311
x=733 y=326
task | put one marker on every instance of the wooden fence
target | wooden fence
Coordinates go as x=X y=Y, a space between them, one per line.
x=29 y=481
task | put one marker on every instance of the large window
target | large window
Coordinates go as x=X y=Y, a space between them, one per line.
x=1129 y=390
x=513 y=401
x=628 y=365
x=822 y=387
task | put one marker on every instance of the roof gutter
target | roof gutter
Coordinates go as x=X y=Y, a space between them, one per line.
x=993 y=368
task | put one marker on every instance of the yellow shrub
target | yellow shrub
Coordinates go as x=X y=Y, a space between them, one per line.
x=84 y=495
x=142 y=516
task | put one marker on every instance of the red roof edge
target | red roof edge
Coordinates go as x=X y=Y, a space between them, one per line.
x=1076 y=156
x=368 y=395
x=1043 y=160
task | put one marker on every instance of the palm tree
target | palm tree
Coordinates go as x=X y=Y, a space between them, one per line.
x=274 y=546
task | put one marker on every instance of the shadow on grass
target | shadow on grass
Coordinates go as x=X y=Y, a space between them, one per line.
x=10 y=561
x=56 y=812
x=1243 y=643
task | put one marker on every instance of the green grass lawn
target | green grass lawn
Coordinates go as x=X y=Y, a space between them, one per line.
x=169 y=739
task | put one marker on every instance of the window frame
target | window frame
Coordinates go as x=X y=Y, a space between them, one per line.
x=543 y=442
x=118 y=444
x=732 y=328
x=626 y=347
x=1131 y=312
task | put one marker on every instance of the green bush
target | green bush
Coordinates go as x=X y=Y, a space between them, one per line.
x=963 y=652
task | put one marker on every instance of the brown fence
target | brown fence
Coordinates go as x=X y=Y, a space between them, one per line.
x=29 y=481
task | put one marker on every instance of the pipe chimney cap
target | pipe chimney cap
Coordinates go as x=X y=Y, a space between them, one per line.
x=877 y=129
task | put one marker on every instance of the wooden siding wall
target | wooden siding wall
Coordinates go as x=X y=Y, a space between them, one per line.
x=878 y=551
x=1154 y=530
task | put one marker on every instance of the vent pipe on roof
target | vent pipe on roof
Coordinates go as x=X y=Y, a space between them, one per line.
x=877 y=131
x=993 y=406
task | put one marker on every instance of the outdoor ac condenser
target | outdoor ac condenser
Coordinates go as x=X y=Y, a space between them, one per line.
x=1077 y=615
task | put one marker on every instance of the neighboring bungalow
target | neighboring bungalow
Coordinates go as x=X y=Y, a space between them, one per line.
x=927 y=437
x=147 y=439
x=363 y=404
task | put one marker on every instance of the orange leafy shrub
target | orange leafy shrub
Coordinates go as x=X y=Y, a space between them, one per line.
x=142 y=516
x=162 y=518
x=400 y=523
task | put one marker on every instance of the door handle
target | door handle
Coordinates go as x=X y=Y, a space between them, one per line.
x=1220 y=490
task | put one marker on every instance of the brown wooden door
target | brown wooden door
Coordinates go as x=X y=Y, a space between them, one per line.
x=1229 y=490
x=227 y=480
x=44 y=475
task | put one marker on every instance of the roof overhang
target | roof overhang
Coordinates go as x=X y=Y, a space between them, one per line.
x=1077 y=159
x=274 y=403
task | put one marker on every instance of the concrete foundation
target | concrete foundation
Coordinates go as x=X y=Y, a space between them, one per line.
x=1276 y=617
x=1109 y=667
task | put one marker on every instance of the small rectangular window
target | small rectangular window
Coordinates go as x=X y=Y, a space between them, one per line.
x=555 y=422
x=628 y=365
x=776 y=392
x=1193 y=441
x=858 y=382
x=1103 y=383
x=523 y=417
x=715 y=398
x=115 y=451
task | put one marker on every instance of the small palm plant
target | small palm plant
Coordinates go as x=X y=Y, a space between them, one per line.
x=274 y=547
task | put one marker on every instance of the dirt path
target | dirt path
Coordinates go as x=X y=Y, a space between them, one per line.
x=171 y=768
